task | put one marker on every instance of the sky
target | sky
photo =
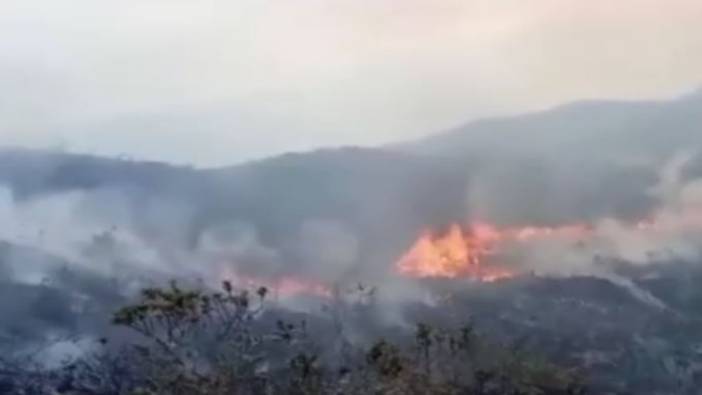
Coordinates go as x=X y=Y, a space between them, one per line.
x=217 y=82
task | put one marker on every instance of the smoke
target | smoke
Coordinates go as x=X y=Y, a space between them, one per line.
x=674 y=228
x=672 y=232
x=89 y=250
x=77 y=256
x=69 y=259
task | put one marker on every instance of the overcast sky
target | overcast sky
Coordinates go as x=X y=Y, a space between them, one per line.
x=213 y=82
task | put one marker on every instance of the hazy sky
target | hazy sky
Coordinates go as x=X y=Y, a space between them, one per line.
x=213 y=82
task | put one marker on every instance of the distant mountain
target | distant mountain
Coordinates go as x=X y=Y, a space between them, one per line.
x=578 y=162
x=581 y=160
x=612 y=131
x=381 y=197
x=37 y=172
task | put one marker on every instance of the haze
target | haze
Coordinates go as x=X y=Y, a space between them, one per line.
x=213 y=82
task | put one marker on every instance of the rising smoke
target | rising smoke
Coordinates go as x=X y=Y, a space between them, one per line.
x=82 y=252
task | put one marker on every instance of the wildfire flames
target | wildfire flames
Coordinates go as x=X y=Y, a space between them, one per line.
x=460 y=253
x=476 y=252
x=282 y=286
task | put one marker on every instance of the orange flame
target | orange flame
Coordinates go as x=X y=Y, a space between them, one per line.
x=455 y=254
x=464 y=254
x=281 y=286
x=291 y=286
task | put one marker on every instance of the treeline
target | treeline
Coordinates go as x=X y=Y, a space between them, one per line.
x=197 y=342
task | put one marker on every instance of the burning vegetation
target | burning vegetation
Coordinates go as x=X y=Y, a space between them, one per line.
x=283 y=286
x=478 y=252
x=474 y=253
x=452 y=255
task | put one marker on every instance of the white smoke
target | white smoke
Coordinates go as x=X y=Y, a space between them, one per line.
x=671 y=233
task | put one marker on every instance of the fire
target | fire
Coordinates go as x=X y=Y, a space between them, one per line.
x=286 y=286
x=455 y=254
x=463 y=253
x=292 y=286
